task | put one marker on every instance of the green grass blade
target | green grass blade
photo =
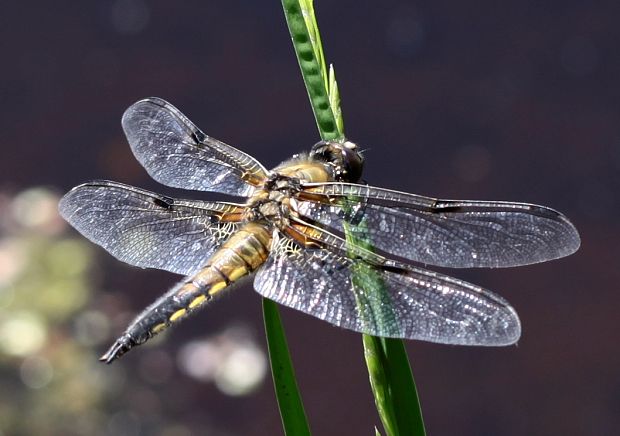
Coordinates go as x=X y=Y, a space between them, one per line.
x=289 y=400
x=379 y=383
x=393 y=386
x=308 y=48
x=404 y=394
x=334 y=100
x=389 y=371
x=388 y=366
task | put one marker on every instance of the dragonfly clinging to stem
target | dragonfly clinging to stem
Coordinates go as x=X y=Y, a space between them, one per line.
x=290 y=233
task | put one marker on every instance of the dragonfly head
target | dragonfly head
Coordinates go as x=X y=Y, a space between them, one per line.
x=344 y=157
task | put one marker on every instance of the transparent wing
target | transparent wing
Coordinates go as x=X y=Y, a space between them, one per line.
x=176 y=153
x=146 y=229
x=414 y=303
x=449 y=233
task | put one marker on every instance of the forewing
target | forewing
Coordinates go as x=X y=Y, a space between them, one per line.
x=390 y=301
x=177 y=153
x=146 y=229
x=449 y=233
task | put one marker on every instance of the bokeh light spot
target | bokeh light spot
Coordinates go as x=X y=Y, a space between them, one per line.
x=242 y=371
x=69 y=257
x=37 y=208
x=12 y=260
x=36 y=372
x=231 y=359
x=7 y=295
x=200 y=360
x=22 y=334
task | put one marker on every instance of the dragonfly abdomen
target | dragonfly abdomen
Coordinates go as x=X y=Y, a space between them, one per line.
x=238 y=257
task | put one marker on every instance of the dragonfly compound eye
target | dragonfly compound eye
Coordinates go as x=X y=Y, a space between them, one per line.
x=323 y=151
x=352 y=163
x=342 y=156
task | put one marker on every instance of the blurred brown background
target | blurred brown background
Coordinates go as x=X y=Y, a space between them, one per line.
x=514 y=100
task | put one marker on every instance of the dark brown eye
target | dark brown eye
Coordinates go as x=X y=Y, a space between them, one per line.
x=353 y=164
x=322 y=151
x=342 y=156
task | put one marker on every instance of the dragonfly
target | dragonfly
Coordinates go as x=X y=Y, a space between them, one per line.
x=314 y=238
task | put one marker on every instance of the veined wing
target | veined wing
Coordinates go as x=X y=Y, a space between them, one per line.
x=390 y=300
x=449 y=233
x=177 y=153
x=149 y=230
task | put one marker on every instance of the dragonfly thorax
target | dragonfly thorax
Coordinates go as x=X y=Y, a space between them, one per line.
x=273 y=202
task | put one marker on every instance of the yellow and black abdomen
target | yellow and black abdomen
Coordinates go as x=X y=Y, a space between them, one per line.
x=238 y=257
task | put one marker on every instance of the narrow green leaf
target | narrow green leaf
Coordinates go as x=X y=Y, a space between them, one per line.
x=307 y=11
x=404 y=394
x=334 y=100
x=390 y=374
x=380 y=375
x=379 y=383
x=289 y=400
x=307 y=43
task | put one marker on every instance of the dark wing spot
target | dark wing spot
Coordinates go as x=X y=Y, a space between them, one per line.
x=198 y=136
x=446 y=209
x=164 y=202
x=394 y=269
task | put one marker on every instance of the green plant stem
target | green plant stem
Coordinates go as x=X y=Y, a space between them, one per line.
x=399 y=381
x=376 y=363
x=308 y=48
x=289 y=400
x=388 y=366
